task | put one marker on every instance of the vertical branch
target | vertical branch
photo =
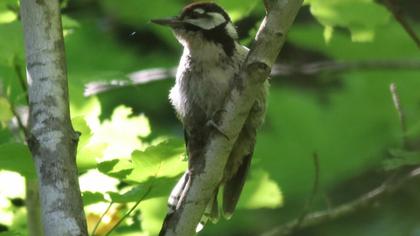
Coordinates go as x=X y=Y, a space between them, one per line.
x=51 y=137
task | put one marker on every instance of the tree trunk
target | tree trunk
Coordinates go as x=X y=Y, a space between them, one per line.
x=51 y=137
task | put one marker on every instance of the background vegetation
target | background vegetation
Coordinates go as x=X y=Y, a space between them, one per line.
x=330 y=95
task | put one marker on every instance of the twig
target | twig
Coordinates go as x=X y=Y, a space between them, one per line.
x=308 y=69
x=387 y=187
x=101 y=218
x=22 y=80
x=311 y=199
x=400 y=111
x=400 y=17
x=130 y=211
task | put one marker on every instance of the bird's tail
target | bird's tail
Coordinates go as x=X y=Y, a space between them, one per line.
x=210 y=213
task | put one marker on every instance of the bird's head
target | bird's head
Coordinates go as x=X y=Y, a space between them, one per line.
x=201 y=23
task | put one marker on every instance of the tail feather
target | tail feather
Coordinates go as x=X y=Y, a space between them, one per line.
x=210 y=213
x=233 y=187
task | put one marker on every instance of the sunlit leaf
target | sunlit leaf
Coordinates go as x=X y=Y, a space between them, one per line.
x=87 y=153
x=164 y=159
x=8 y=10
x=121 y=133
x=68 y=24
x=260 y=192
x=156 y=171
x=92 y=197
x=118 y=168
x=342 y=13
x=5 y=110
x=238 y=11
x=96 y=181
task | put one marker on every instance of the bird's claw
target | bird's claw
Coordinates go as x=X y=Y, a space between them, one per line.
x=213 y=124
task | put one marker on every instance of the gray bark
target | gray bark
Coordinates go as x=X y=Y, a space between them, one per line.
x=256 y=69
x=51 y=137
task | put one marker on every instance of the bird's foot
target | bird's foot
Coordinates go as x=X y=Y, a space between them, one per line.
x=213 y=124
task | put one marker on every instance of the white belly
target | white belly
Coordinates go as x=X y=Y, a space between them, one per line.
x=204 y=83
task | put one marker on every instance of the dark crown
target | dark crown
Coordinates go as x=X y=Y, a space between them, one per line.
x=207 y=7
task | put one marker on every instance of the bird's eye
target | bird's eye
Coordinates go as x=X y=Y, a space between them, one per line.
x=195 y=15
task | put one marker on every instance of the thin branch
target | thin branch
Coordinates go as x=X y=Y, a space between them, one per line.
x=22 y=80
x=255 y=70
x=401 y=114
x=280 y=69
x=101 y=218
x=396 y=11
x=130 y=211
x=316 y=218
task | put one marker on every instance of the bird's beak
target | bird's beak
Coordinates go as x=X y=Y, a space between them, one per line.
x=171 y=22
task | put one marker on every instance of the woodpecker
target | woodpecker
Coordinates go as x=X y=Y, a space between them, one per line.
x=209 y=66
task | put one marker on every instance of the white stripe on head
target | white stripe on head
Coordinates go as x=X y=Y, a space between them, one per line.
x=199 y=11
x=215 y=19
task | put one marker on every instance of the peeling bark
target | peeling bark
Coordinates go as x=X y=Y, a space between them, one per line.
x=256 y=69
x=51 y=137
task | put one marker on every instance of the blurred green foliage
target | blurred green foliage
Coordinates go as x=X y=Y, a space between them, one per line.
x=131 y=146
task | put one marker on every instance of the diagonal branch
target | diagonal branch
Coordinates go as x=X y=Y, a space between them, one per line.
x=256 y=68
x=389 y=186
x=396 y=11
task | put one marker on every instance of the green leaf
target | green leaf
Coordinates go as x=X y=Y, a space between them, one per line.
x=69 y=23
x=361 y=17
x=16 y=157
x=8 y=9
x=10 y=233
x=92 y=197
x=87 y=152
x=120 y=134
x=5 y=135
x=237 y=11
x=260 y=192
x=118 y=168
x=151 y=188
x=12 y=45
x=5 y=110
x=162 y=159
x=156 y=170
